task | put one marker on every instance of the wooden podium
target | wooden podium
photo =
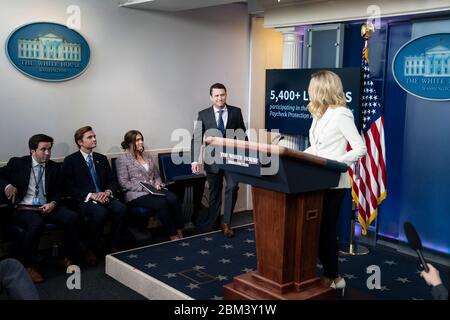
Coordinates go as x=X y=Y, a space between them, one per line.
x=287 y=205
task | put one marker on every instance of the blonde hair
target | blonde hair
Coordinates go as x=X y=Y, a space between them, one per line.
x=325 y=90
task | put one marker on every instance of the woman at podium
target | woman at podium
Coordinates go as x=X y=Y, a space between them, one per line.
x=332 y=129
x=140 y=179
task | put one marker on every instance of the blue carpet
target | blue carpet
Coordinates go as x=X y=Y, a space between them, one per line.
x=199 y=267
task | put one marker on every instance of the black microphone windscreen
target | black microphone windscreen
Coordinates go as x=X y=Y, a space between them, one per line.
x=412 y=236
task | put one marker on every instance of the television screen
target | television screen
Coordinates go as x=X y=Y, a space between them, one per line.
x=287 y=98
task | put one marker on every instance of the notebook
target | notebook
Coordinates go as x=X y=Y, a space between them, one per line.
x=152 y=189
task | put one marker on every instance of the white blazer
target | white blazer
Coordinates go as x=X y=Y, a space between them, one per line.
x=329 y=136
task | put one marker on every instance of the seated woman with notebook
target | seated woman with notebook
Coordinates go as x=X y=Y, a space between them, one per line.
x=140 y=180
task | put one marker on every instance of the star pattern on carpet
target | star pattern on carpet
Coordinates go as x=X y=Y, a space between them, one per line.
x=170 y=275
x=198 y=268
x=403 y=280
x=177 y=258
x=151 y=265
x=212 y=263
x=193 y=286
x=225 y=260
x=221 y=277
x=249 y=254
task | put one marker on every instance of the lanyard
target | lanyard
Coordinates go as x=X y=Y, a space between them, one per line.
x=38 y=182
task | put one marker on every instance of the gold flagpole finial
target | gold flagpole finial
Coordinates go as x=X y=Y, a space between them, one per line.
x=366 y=32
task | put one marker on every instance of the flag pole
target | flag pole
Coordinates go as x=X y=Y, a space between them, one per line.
x=355 y=249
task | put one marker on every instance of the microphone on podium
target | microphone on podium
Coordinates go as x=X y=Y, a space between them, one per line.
x=415 y=243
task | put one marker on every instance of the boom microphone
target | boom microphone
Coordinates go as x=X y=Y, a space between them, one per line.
x=415 y=243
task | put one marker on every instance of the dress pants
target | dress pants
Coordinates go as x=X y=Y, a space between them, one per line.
x=215 y=184
x=328 y=244
x=168 y=210
x=96 y=215
x=16 y=281
x=33 y=223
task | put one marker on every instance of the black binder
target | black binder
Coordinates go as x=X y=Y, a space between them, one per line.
x=152 y=189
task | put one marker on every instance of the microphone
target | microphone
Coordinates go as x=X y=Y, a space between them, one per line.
x=277 y=139
x=415 y=243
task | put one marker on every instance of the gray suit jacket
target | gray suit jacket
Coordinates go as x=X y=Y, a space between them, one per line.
x=206 y=121
x=130 y=172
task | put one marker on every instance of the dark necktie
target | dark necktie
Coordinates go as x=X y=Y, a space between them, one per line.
x=91 y=167
x=220 y=124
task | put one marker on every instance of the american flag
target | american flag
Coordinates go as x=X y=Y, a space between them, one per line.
x=368 y=175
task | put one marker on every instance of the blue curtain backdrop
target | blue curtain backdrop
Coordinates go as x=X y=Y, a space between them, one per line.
x=417 y=139
x=426 y=152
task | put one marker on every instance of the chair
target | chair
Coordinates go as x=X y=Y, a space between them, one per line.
x=187 y=186
x=16 y=232
x=13 y=233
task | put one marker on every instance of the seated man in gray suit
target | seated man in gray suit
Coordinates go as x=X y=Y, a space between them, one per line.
x=220 y=120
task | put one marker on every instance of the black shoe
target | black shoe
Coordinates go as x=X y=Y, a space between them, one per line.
x=227 y=231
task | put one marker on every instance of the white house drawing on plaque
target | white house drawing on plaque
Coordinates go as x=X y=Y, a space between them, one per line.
x=49 y=47
x=433 y=63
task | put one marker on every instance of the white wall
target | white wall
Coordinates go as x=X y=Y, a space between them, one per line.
x=149 y=71
x=266 y=53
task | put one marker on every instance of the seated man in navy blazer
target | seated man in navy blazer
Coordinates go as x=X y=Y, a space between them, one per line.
x=32 y=186
x=91 y=183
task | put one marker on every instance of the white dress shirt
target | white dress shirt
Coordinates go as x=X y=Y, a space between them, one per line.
x=330 y=135
x=28 y=198
x=224 y=115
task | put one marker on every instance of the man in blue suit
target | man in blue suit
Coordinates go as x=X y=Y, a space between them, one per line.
x=91 y=183
x=32 y=186
x=219 y=120
x=16 y=282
